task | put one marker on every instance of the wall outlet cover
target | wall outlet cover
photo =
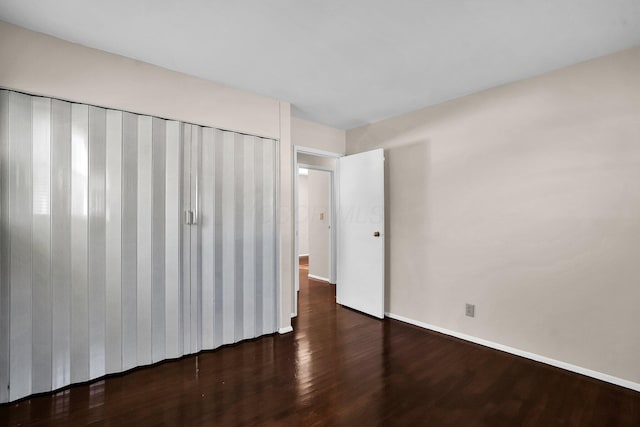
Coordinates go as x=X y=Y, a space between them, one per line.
x=470 y=310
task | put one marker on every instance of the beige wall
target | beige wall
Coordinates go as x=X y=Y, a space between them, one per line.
x=286 y=219
x=319 y=214
x=524 y=200
x=323 y=162
x=314 y=135
x=44 y=65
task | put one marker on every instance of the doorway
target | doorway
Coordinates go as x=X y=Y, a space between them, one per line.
x=315 y=221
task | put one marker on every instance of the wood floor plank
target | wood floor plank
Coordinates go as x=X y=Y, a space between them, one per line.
x=338 y=368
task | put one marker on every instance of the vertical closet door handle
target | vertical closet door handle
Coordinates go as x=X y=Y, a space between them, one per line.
x=188 y=217
x=194 y=220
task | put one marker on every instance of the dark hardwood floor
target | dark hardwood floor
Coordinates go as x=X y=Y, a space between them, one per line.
x=339 y=368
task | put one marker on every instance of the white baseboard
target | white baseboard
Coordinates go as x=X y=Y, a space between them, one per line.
x=313 y=276
x=528 y=355
x=285 y=330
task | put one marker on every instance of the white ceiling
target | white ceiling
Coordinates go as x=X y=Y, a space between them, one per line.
x=345 y=63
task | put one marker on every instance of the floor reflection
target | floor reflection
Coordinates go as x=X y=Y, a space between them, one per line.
x=340 y=368
x=329 y=356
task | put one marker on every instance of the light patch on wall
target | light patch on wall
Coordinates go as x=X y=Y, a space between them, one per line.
x=303 y=171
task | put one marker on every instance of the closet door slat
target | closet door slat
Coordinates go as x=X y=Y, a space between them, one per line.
x=228 y=239
x=185 y=289
x=20 y=255
x=218 y=312
x=144 y=238
x=269 y=314
x=195 y=251
x=61 y=243
x=113 y=232
x=41 y=251
x=207 y=236
x=79 y=242
x=129 y=264
x=158 y=327
x=97 y=241
x=249 y=239
x=4 y=244
x=173 y=243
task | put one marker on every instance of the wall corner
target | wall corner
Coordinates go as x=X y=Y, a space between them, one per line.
x=285 y=217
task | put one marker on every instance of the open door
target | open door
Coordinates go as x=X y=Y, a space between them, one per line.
x=361 y=232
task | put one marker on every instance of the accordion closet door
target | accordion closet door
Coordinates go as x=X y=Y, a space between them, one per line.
x=229 y=237
x=126 y=240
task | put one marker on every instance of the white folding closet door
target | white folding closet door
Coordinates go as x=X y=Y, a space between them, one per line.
x=231 y=187
x=99 y=271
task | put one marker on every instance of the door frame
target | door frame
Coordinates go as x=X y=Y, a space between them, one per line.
x=334 y=210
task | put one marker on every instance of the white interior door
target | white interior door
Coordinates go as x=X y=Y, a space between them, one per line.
x=361 y=232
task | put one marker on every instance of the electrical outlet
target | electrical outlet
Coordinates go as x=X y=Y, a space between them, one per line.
x=470 y=310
